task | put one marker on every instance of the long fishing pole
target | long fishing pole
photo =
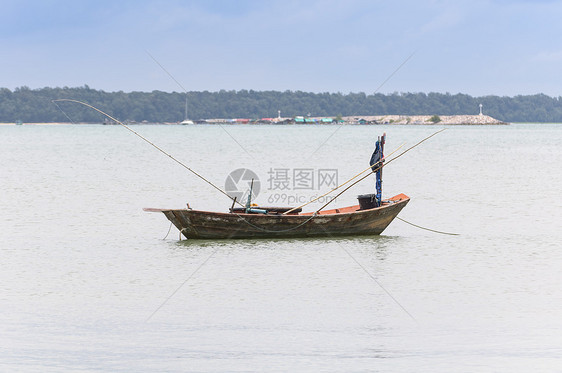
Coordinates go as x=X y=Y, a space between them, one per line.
x=148 y=141
x=366 y=176
x=339 y=186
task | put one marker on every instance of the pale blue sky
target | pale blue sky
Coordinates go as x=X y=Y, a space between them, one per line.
x=477 y=47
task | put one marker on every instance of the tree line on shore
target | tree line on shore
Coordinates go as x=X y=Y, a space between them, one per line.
x=36 y=105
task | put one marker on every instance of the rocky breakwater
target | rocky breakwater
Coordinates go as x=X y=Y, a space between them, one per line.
x=424 y=119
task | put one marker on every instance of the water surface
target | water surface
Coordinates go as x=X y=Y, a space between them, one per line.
x=84 y=268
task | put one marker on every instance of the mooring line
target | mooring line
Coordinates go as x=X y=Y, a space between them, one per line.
x=169 y=230
x=151 y=143
x=427 y=229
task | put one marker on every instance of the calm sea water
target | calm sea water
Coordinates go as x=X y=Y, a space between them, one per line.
x=89 y=284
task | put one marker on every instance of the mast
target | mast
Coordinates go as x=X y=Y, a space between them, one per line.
x=380 y=147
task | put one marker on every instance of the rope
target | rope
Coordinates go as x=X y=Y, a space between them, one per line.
x=169 y=229
x=427 y=229
x=272 y=231
x=364 y=177
x=154 y=145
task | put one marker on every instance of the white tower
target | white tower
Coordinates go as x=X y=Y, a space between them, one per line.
x=480 y=109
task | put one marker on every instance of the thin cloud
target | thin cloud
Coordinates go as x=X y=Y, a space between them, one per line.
x=316 y=46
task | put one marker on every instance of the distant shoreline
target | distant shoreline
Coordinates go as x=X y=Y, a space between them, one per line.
x=355 y=120
x=171 y=107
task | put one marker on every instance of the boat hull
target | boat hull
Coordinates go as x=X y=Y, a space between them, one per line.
x=349 y=221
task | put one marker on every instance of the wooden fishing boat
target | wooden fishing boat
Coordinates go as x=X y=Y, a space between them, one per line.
x=346 y=221
x=370 y=217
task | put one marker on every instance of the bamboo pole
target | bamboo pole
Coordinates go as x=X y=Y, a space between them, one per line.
x=364 y=177
x=154 y=145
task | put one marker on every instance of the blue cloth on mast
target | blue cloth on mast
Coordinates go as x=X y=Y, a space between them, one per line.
x=376 y=163
x=376 y=157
